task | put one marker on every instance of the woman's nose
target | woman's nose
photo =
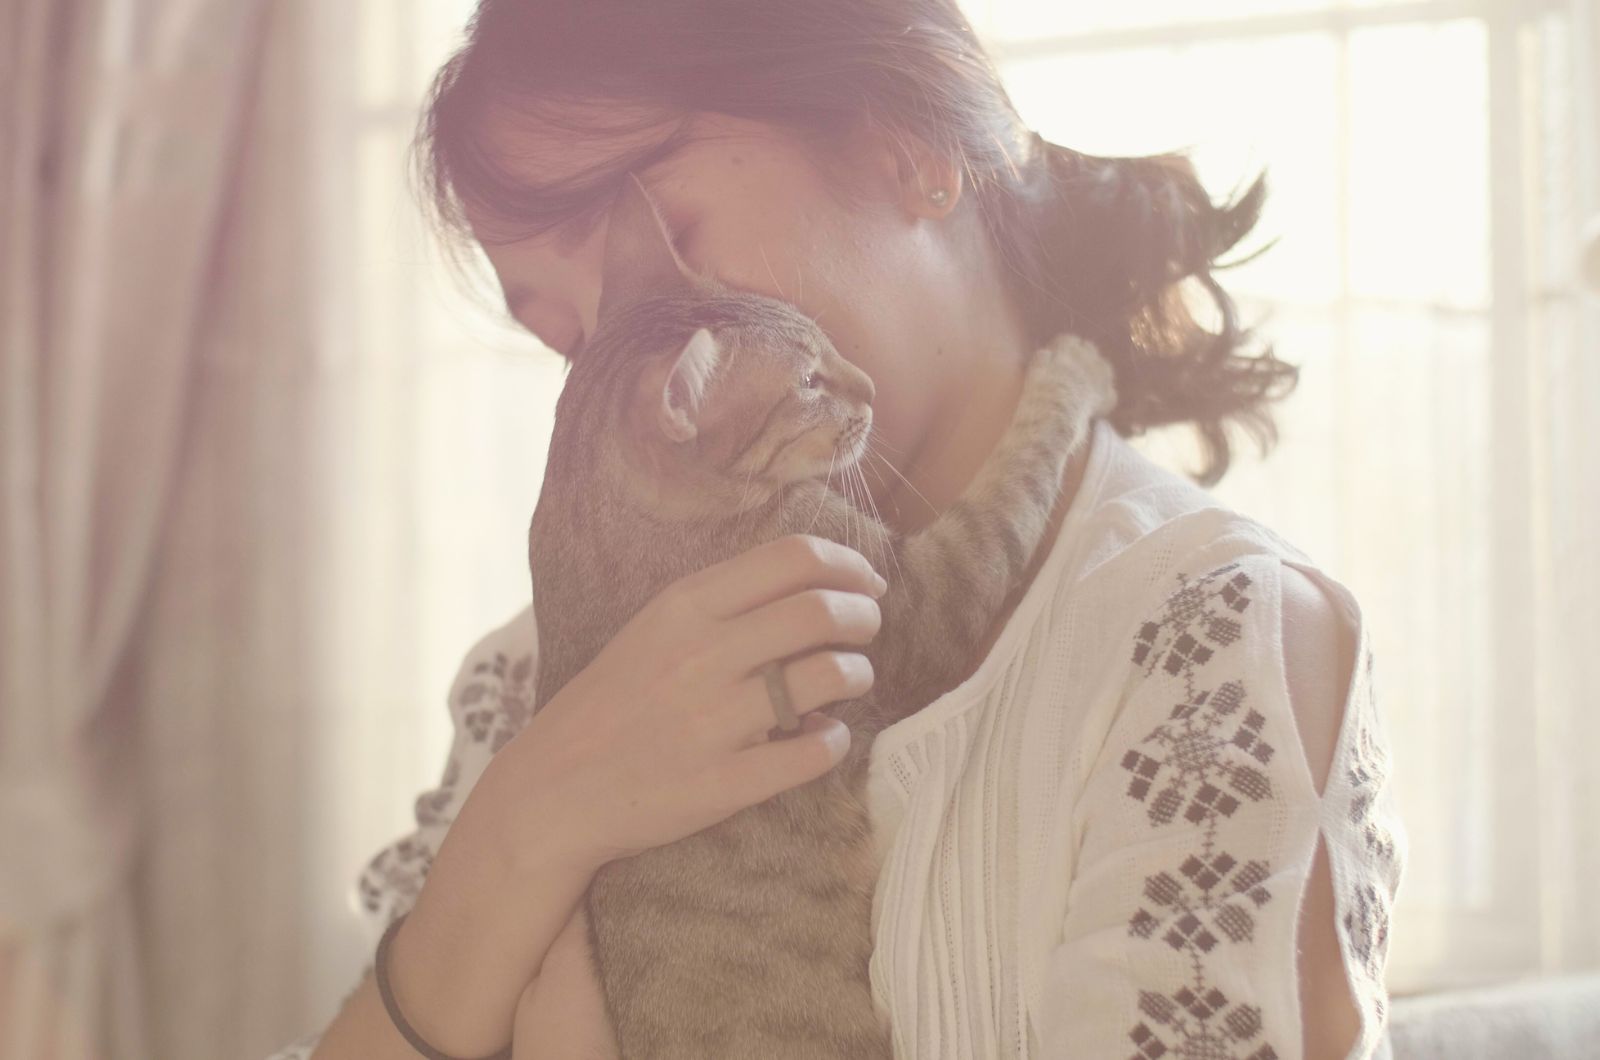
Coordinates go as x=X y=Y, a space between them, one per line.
x=553 y=285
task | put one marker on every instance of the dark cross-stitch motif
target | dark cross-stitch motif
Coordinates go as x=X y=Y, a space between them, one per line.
x=1186 y=761
x=510 y=698
x=397 y=870
x=430 y=805
x=1201 y=1022
x=1367 y=772
x=1195 y=621
x=1198 y=767
x=1214 y=900
x=1366 y=926
x=492 y=707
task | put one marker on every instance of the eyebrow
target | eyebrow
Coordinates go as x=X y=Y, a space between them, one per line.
x=518 y=295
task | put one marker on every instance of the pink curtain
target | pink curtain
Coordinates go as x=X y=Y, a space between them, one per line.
x=118 y=137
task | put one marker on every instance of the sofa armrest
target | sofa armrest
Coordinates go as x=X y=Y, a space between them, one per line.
x=1533 y=1019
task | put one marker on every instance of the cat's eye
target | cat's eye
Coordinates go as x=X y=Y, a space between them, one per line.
x=809 y=381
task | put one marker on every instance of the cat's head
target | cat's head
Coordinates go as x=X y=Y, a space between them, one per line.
x=717 y=399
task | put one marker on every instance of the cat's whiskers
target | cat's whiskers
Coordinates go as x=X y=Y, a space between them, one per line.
x=823 y=496
x=868 y=453
x=876 y=474
x=890 y=465
x=866 y=493
x=862 y=500
x=860 y=505
x=882 y=482
x=855 y=514
x=879 y=440
x=850 y=510
x=849 y=513
x=893 y=552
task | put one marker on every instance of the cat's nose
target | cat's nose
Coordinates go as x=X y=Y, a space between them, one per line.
x=868 y=391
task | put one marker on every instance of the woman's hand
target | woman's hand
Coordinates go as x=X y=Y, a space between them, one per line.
x=562 y=1013
x=665 y=733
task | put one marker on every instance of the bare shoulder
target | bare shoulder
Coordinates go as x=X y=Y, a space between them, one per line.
x=1319 y=650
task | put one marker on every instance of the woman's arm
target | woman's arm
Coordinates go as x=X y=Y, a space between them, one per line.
x=1319 y=651
x=562 y=1014
x=489 y=698
x=476 y=936
x=1244 y=759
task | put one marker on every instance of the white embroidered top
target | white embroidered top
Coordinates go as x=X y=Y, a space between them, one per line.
x=1097 y=844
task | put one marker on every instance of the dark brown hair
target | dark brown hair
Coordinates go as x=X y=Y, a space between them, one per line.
x=1103 y=247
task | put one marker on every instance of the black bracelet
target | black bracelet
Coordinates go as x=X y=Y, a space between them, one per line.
x=380 y=963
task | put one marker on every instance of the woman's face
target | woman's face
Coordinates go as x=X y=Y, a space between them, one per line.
x=747 y=207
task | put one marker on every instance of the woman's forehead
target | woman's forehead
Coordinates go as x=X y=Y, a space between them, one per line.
x=556 y=143
x=566 y=163
x=552 y=166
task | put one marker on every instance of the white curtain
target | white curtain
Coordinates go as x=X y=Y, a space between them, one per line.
x=121 y=120
x=351 y=516
x=265 y=479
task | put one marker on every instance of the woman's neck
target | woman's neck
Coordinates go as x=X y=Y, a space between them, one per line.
x=975 y=327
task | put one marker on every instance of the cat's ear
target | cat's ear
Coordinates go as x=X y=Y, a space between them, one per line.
x=683 y=393
x=639 y=258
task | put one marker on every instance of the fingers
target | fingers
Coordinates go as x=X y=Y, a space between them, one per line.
x=760 y=772
x=813 y=681
x=778 y=568
x=806 y=620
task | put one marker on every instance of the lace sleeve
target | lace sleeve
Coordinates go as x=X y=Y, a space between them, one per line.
x=1195 y=835
x=490 y=701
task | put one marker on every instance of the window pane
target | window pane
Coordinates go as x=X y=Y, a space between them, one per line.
x=1026 y=19
x=1296 y=489
x=1417 y=552
x=440 y=28
x=1418 y=158
x=1379 y=476
x=1244 y=105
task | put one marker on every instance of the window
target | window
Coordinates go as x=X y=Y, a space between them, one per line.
x=1423 y=172
x=1429 y=166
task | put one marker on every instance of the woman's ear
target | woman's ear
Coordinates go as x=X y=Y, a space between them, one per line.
x=683 y=393
x=922 y=175
x=902 y=167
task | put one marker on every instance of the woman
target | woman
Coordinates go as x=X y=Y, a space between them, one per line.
x=1114 y=837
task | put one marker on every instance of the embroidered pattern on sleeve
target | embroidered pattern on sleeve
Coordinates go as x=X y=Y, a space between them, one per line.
x=493 y=702
x=1201 y=764
x=508 y=689
x=1372 y=816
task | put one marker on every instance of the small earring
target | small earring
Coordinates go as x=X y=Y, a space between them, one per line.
x=939 y=196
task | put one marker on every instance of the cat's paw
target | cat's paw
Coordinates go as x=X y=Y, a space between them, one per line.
x=1078 y=372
